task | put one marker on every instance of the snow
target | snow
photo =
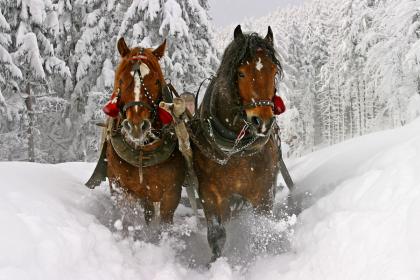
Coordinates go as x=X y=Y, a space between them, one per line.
x=7 y=59
x=29 y=45
x=172 y=20
x=3 y=22
x=36 y=9
x=360 y=202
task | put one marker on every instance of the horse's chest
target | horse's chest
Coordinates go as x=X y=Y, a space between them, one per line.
x=240 y=174
x=156 y=179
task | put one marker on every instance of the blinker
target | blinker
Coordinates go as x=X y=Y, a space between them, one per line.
x=279 y=107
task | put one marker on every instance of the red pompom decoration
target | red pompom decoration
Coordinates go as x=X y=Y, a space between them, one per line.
x=279 y=107
x=164 y=116
x=111 y=108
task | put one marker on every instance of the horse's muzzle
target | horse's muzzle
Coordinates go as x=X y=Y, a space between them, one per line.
x=261 y=126
x=136 y=134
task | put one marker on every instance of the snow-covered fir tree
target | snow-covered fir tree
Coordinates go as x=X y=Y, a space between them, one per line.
x=10 y=75
x=33 y=26
x=92 y=59
x=185 y=24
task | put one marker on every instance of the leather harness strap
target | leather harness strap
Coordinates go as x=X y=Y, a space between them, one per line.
x=136 y=103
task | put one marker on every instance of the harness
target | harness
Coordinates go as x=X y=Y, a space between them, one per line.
x=161 y=149
x=218 y=142
x=149 y=156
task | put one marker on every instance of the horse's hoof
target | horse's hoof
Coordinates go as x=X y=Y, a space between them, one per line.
x=212 y=260
x=217 y=239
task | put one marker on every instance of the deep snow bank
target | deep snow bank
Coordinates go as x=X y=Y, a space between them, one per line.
x=360 y=220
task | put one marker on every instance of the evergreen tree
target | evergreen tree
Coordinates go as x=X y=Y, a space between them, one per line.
x=10 y=75
x=185 y=24
x=94 y=54
x=33 y=27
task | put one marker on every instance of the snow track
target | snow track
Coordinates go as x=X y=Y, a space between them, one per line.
x=360 y=203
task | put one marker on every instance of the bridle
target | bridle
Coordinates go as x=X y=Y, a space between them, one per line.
x=152 y=108
x=254 y=103
x=240 y=116
x=114 y=108
x=240 y=108
x=139 y=84
x=151 y=105
x=224 y=142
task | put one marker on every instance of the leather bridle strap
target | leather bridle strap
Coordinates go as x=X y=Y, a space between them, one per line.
x=141 y=103
x=136 y=103
x=259 y=103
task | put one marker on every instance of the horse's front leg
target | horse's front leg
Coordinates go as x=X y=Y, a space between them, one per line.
x=217 y=212
x=169 y=203
x=263 y=202
x=151 y=211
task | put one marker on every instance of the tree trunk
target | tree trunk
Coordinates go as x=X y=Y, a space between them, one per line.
x=30 y=131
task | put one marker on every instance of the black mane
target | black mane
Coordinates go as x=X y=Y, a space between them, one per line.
x=239 y=51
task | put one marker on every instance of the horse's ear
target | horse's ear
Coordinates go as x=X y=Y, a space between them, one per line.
x=122 y=47
x=159 y=52
x=269 y=38
x=238 y=32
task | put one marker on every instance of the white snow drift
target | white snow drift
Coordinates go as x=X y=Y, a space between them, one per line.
x=361 y=203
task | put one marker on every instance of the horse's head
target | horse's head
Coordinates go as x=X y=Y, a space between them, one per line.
x=255 y=74
x=138 y=81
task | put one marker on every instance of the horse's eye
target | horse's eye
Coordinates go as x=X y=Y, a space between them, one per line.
x=241 y=74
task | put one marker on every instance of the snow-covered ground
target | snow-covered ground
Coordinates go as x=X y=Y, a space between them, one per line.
x=361 y=211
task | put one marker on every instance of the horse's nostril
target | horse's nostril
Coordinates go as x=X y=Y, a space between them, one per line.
x=256 y=121
x=127 y=125
x=145 y=125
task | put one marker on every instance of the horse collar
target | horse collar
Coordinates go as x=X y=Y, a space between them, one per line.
x=132 y=156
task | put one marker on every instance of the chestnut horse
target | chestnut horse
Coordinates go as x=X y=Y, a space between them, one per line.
x=235 y=151
x=141 y=152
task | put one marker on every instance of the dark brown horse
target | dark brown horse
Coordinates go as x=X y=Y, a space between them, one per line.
x=235 y=151
x=142 y=157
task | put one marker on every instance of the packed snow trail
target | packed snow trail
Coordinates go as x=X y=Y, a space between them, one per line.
x=361 y=206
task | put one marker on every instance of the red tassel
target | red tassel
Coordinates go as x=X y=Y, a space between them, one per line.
x=164 y=116
x=279 y=107
x=111 y=107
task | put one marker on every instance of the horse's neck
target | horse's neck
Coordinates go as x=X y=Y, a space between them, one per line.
x=220 y=103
